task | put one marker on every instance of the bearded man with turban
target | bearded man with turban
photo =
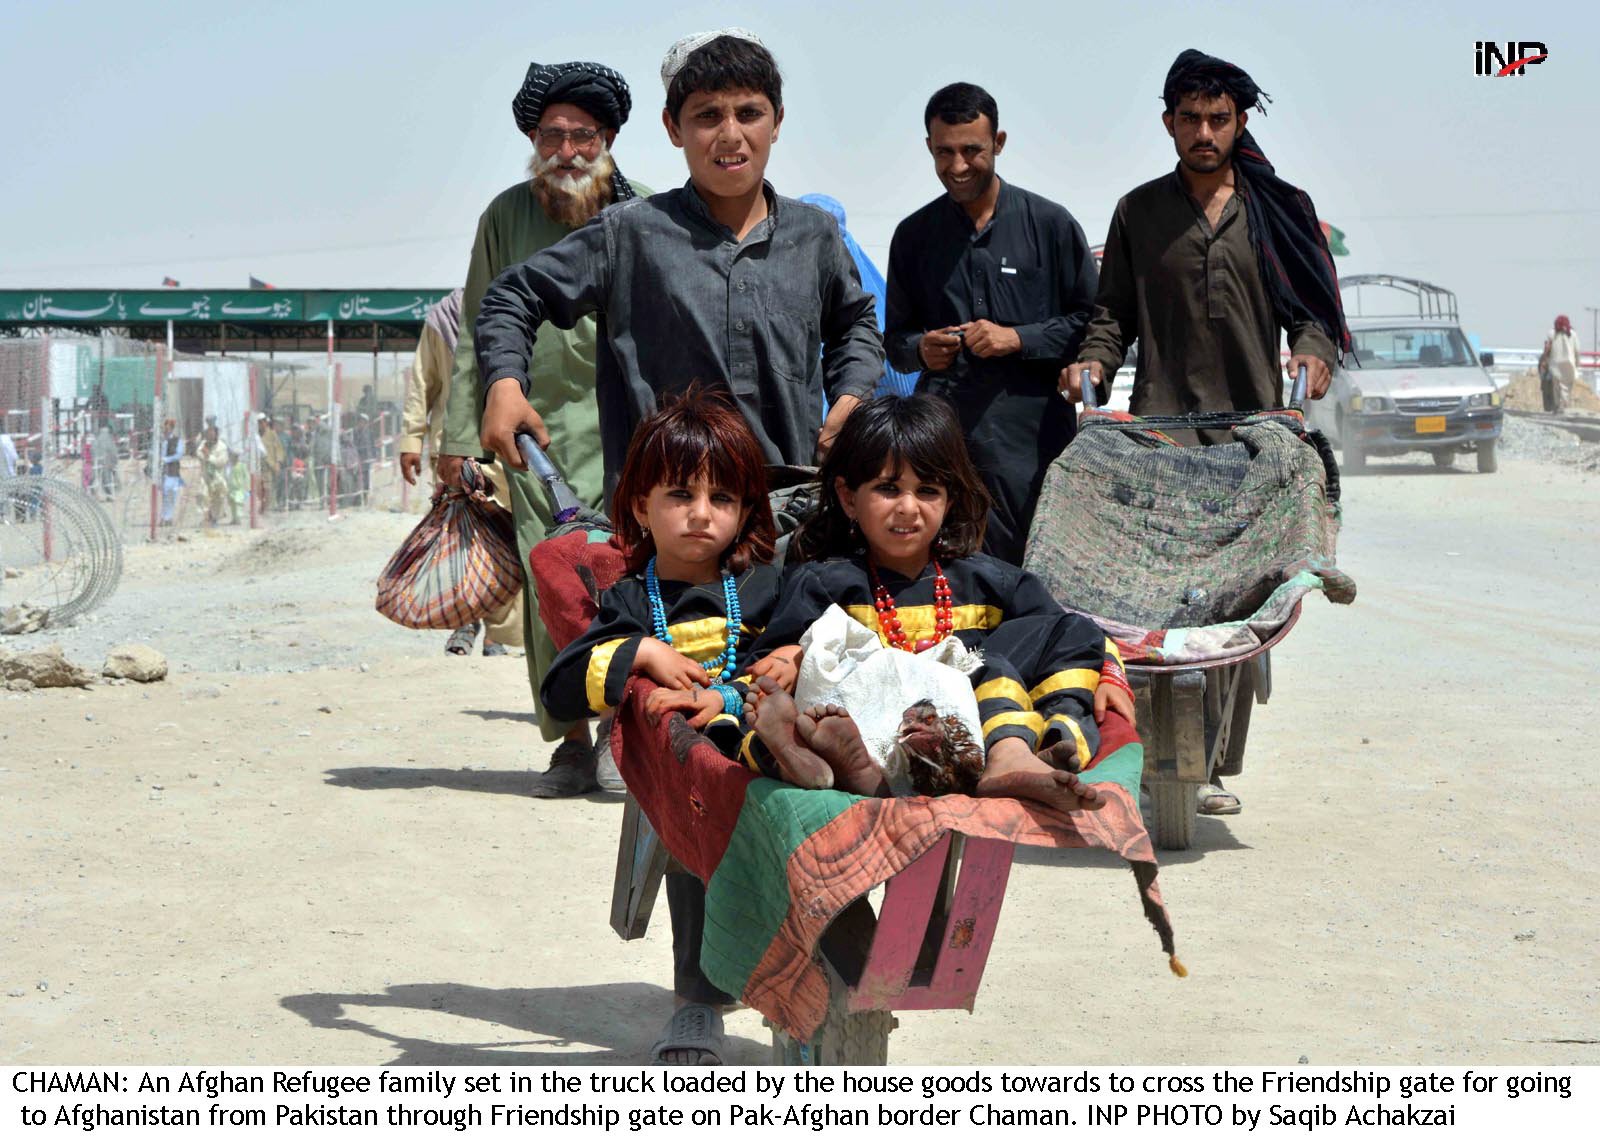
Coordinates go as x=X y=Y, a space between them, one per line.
x=571 y=113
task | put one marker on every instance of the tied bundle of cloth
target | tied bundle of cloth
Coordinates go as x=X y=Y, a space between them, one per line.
x=458 y=566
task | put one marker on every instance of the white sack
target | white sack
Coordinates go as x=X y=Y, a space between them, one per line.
x=846 y=665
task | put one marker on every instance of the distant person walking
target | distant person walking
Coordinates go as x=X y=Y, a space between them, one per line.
x=273 y=463
x=422 y=421
x=171 y=467
x=213 y=454
x=1559 y=361
x=105 y=461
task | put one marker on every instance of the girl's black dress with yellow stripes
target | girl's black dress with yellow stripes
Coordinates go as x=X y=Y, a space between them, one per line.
x=590 y=674
x=1041 y=664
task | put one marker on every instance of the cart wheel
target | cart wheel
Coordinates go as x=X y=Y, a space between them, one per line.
x=845 y=1039
x=1175 y=803
x=848 y=1039
x=1355 y=458
x=1444 y=459
x=1488 y=461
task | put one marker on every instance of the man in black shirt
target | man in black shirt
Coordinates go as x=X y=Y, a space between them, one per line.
x=990 y=289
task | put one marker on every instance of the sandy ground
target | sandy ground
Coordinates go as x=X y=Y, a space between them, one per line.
x=313 y=843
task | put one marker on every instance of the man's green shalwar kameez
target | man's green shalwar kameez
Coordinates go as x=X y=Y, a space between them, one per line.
x=513 y=228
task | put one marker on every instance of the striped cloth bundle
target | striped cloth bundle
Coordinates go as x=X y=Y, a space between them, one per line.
x=459 y=565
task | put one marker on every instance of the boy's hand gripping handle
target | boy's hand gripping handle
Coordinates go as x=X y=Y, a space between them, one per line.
x=564 y=502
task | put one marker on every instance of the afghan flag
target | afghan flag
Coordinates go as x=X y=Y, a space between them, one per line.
x=260 y=285
x=780 y=862
x=168 y=282
x=1335 y=239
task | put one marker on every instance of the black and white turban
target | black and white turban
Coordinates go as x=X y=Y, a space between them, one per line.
x=597 y=89
x=592 y=87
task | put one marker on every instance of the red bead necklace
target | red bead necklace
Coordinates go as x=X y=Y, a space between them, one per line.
x=889 y=619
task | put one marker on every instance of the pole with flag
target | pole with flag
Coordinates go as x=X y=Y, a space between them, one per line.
x=259 y=285
x=169 y=282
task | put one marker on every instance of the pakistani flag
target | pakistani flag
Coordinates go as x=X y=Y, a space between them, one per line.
x=1335 y=239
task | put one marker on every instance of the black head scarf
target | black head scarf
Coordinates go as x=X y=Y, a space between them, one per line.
x=592 y=87
x=1290 y=245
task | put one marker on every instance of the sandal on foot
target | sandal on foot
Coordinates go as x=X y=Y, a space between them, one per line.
x=1214 y=800
x=491 y=650
x=461 y=640
x=695 y=1032
x=571 y=772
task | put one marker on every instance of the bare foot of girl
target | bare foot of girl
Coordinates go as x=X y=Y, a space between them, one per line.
x=773 y=715
x=1062 y=755
x=830 y=732
x=1014 y=770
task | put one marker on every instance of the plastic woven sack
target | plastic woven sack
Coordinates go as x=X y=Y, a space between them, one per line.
x=458 y=566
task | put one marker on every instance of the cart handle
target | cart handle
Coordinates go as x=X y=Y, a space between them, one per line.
x=1297 y=393
x=1086 y=389
x=564 y=503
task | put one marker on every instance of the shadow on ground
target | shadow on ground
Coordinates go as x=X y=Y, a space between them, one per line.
x=614 y=1024
x=1210 y=835
x=517 y=782
x=527 y=716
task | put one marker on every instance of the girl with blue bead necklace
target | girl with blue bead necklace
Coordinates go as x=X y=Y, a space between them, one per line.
x=691 y=512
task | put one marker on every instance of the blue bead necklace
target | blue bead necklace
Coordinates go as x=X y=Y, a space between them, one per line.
x=726 y=663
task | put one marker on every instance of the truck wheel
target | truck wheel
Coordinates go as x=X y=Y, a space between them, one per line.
x=1444 y=459
x=1488 y=460
x=1174 y=805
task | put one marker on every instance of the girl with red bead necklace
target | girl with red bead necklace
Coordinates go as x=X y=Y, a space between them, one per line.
x=895 y=544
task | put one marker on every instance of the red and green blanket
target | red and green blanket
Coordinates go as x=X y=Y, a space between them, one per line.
x=780 y=862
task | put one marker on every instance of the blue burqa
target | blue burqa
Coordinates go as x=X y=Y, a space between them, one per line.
x=893 y=381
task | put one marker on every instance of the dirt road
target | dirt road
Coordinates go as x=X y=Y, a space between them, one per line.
x=313 y=843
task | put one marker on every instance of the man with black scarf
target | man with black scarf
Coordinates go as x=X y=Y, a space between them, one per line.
x=1204 y=266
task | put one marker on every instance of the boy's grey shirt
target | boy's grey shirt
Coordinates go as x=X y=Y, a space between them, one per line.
x=777 y=319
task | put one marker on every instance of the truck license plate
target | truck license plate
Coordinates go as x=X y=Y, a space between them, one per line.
x=1432 y=425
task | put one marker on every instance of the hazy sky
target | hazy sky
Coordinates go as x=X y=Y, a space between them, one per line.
x=335 y=144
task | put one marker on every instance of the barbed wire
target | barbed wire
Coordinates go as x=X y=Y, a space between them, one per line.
x=59 y=550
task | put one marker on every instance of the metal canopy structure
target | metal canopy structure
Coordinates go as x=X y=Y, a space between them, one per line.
x=203 y=320
x=1432 y=301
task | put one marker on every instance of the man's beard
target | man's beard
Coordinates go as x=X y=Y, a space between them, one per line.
x=577 y=200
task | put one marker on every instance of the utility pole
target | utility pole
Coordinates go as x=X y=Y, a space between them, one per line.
x=1594 y=346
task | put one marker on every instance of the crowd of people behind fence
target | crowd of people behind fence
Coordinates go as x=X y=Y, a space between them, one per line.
x=206 y=478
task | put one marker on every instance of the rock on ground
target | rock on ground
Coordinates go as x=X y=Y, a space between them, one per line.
x=135 y=661
x=22 y=618
x=46 y=667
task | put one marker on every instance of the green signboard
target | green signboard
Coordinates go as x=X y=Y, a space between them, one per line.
x=192 y=305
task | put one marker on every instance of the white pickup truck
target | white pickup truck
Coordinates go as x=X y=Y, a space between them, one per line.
x=1411 y=381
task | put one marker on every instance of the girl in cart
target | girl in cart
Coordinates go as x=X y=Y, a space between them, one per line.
x=894 y=543
x=691 y=509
